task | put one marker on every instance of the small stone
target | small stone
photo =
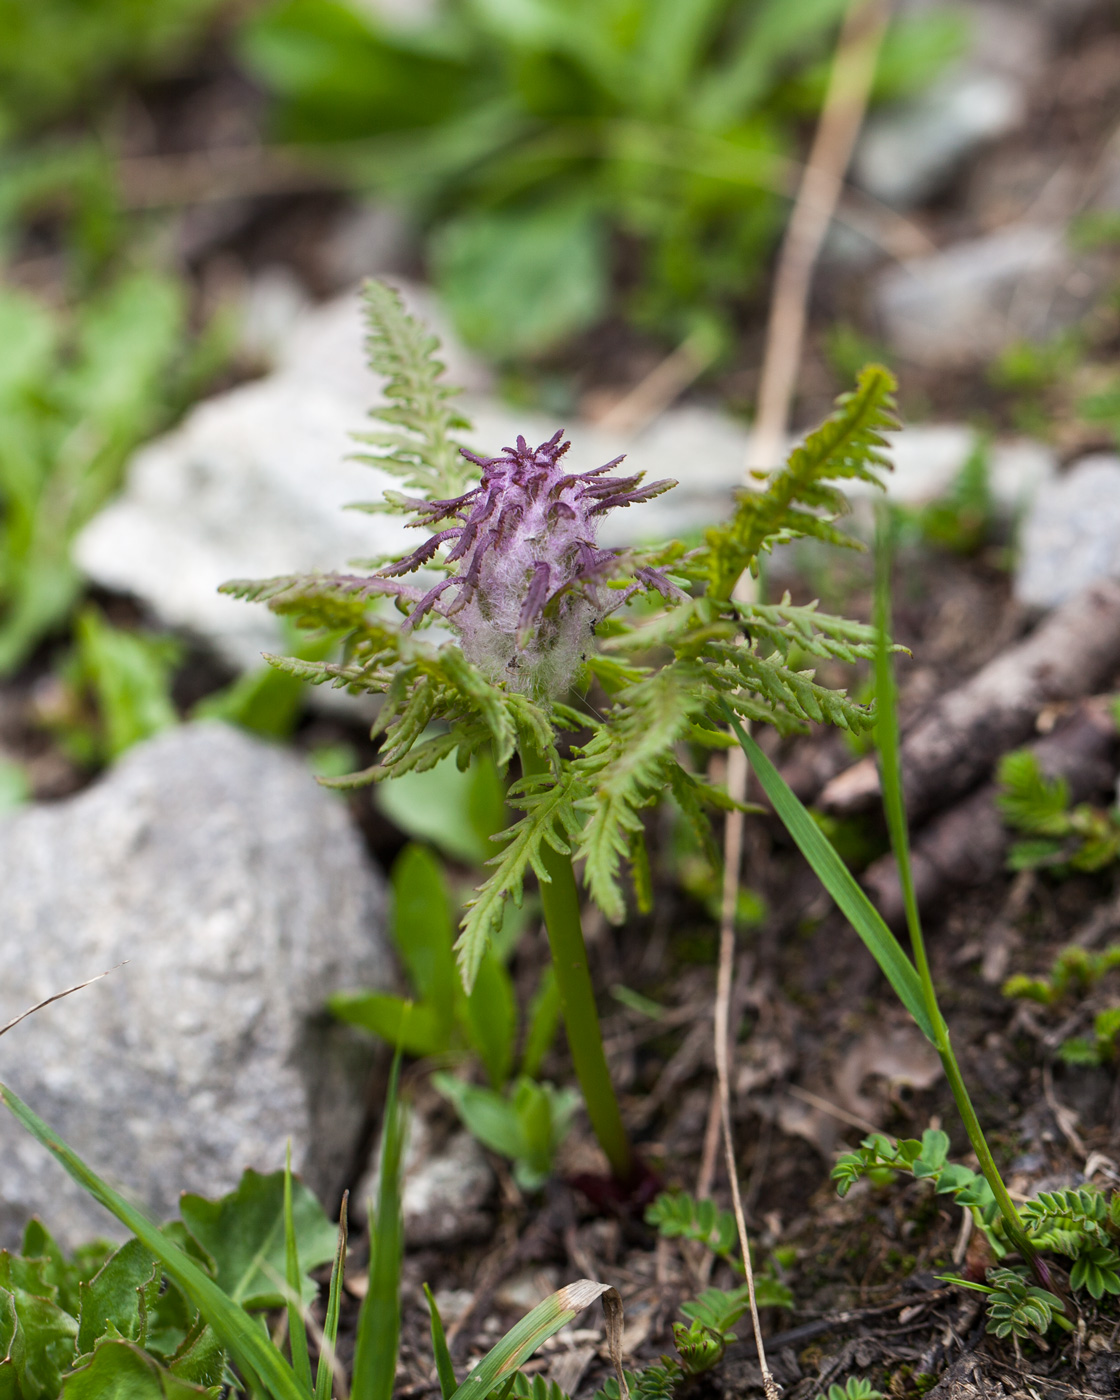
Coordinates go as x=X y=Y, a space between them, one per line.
x=445 y=1190
x=964 y=305
x=1071 y=537
x=909 y=154
x=912 y=150
x=239 y=896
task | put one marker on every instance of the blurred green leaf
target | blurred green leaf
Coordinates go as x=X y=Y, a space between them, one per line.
x=454 y=811
x=492 y=1019
x=527 y=1124
x=520 y=281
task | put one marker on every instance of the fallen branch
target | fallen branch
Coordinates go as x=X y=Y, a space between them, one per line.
x=1073 y=652
x=968 y=844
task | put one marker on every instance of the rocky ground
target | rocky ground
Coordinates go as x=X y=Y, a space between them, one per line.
x=212 y=861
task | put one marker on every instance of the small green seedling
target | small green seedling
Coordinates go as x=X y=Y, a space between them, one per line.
x=853 y=1389
x=1076 y=972
x=1060 y=838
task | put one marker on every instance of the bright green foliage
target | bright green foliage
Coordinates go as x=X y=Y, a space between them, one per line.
x=677 y=1215
x=591 y=799
x=77 y=395
x=535 y=1388
x=1075 y=972
x=527 y=136
x=459 y=811
x=1060 y=838
x=420 y=450
x=526 y=1124
x=110 y=1323
x=801 y=499
x=54 y=52
x=700 y=1341
x=243 y=1236
x=163 y=1328
x=266 y=701
x=1104 y=1045
x=115 y=689
x=854 y=1388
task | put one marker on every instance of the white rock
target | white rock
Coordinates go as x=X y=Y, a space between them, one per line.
x=964 y=305
x=239 y=896
x=1071 y=537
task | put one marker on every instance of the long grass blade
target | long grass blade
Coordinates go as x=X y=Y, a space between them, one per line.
x=545 y=1320
x=263 y=1366
x=297 y=1332
x=379 y=1322
x=327 y=1368
x=445 y=1370
x=839 y=882
x=888 y=742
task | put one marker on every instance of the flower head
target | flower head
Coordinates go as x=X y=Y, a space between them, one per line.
x=529 y=578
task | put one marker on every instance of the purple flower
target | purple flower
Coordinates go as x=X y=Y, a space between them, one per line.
x=529 y=582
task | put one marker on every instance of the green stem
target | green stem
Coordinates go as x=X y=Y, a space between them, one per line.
x=560 y=898
x=889 y=744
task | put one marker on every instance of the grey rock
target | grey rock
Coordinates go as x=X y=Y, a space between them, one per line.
x=370 y=240
x=1071 y=537
x=909 y=154
x=964 y=305
x=911 y=151
x=238 y=895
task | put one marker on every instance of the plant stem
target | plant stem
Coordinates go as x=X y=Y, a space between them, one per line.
x=889 y=745
x=560 y=898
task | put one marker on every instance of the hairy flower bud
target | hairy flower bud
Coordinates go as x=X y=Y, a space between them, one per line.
x=530 y=580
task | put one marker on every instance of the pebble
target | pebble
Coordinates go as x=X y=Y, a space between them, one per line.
x=1071 y=536
x=962 y=306
x=237 y=894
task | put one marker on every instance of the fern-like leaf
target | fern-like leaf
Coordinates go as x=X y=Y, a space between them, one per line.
x=798 y=499
x=550 y=817
x=422 y=452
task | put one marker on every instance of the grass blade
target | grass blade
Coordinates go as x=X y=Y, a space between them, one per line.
x=840 y=883
x=545 y=1320
x=242 y=1334
x=325 y=1372
x=445 y=1370
x=379 y=1322
x=297 y=1332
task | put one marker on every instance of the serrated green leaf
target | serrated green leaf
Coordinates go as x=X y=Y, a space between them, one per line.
x=122 y=1294
x=243 y=1232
